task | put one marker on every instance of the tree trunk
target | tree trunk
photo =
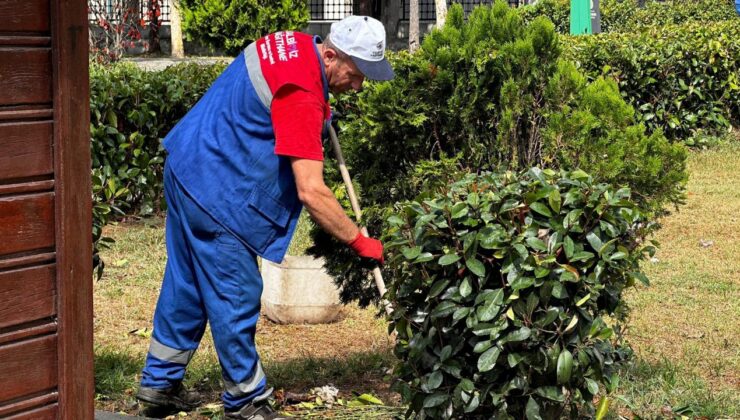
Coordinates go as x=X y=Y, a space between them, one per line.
x=365 y=7
x=440 y=7
x=154 y=11
x=414 y=25
x=178 y=51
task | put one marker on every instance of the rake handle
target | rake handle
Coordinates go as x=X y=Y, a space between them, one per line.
x=377 y=275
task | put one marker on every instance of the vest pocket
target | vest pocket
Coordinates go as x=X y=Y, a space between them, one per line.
x=266 y=215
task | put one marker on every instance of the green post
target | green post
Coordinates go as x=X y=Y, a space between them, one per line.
x=580 y=17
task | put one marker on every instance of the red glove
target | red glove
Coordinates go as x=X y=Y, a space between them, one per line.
x=367 y=247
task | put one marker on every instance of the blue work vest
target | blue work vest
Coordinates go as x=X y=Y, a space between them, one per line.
x=223 y=154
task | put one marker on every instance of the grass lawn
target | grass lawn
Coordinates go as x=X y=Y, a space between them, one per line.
x=684 y=327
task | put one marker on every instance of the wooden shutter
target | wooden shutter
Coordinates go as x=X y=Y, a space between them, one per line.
x=45 y=221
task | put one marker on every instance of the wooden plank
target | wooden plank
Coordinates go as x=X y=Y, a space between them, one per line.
x=45 y=398
x=25 y=41
x=28 y=294
x=73 y=209
x=24 y=15
x=26 y=222
x=32 y=329
x=27 y=187
x=29 y=367
x=25 y=149
x=28 y=112
x=25 y=76
x=49 y=412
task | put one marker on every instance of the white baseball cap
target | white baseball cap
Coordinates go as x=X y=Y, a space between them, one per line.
x=363 y=39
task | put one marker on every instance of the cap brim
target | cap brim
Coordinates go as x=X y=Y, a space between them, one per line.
x=375 y=70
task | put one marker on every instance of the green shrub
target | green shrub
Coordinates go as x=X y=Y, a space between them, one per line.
x=487 y=94
x=680 y=79
x=230 y=25
x=627 y=16
x=501 y=285
x=131 y=110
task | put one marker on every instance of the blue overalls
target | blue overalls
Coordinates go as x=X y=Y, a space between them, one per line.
x=230 y=199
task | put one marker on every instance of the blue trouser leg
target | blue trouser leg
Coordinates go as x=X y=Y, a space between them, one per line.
x=210 y=274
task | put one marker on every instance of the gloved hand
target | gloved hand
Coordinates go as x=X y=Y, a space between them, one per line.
x=368 y=247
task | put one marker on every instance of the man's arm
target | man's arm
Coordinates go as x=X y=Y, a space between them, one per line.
x=320 y=202
x=326 y=210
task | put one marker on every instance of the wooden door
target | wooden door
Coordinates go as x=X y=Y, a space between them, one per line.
x=46 y=369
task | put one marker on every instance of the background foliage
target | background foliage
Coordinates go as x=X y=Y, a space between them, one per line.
x=131 y=110
x=500 y=283
x=681 y=79
x=627 y=16
x=230 y=25
x=486 y=94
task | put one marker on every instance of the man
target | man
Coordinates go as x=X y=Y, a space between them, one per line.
x=242 y=164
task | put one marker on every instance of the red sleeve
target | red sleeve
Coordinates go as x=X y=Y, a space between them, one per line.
x=298 y=119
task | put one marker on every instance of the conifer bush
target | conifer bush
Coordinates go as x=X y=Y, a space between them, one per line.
x=501 y=284
x=489 y=94
x=230 y=25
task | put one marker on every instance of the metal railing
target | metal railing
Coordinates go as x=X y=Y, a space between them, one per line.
x=427 y=9
x=330 y=10
x=114 y=9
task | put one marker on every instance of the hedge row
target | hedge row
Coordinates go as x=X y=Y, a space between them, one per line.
x=131 y=110
x=678 y=78
x=627 y=16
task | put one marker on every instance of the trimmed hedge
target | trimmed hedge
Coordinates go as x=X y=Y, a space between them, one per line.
x=681 y=79
x=131 y=110
x=501 y=285
x=627 y=16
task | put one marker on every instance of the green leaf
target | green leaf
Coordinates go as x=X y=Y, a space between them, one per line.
x=449 y=259
x=435 y=399
x=482 y=346
x=438 y=287
x=465 y=288
x=594 y=240
x=569 y=247
x=444 y=309
x=459 y=210
x=425 y=257
x=592 y=386
x=395 y=221
x=640 y=276
x=555 y=200
x=488 y=311
x=411 y=253
x=488 y=359
x=533 y=410
x=514 y=359
x=551 y=393
x=584 y=299
x=559 y=291
x=369 y=399
x=536 y=243
x=565 y=366
x=434 y=380
x=473 y=404
x=541 y=209
x=476 y=267
x=603 y=408
x=521 y=334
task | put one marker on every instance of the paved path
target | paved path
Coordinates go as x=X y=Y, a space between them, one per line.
x=104 y=415
x=160 y=63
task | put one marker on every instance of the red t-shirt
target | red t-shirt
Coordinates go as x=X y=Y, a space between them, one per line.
x=293 y=72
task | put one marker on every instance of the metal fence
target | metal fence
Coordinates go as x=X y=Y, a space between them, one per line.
x=113 y=9
x=427 y=9
x=329 y=10
x=164 y=10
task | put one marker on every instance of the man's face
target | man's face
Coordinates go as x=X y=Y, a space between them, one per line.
x=342 y=75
